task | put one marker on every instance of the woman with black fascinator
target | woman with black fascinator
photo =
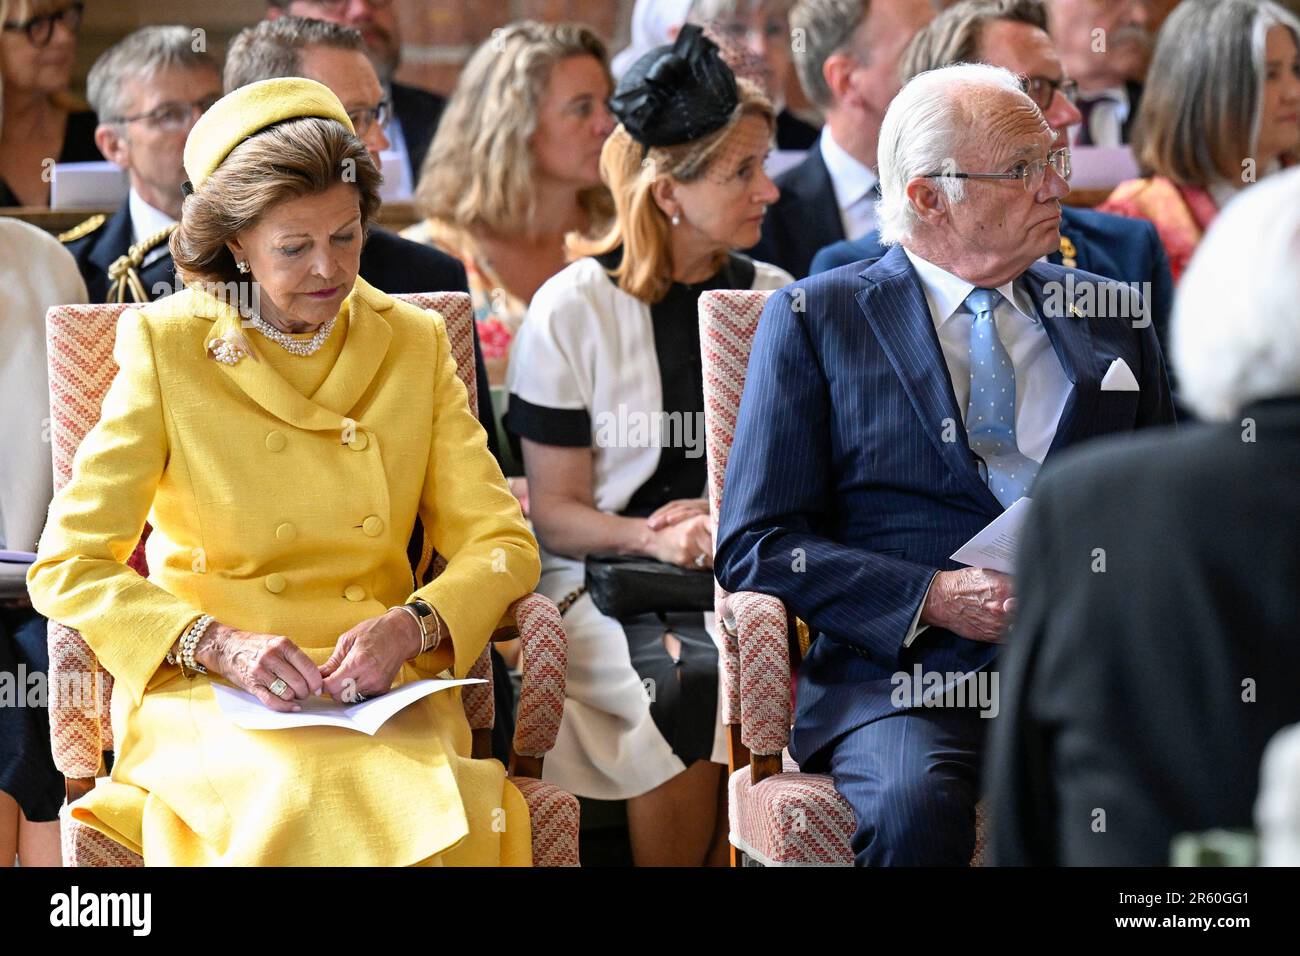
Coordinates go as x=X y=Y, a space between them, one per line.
x=606 y=397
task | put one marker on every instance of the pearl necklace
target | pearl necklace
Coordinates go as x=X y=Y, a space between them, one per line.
x=294 y=346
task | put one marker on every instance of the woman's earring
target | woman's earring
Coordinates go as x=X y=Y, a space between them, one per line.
x=242 y=266
x=677 y=219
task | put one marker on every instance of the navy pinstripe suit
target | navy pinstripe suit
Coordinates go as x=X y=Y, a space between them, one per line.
x=843 y=499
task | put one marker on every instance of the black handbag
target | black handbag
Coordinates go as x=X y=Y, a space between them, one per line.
x=623 y=586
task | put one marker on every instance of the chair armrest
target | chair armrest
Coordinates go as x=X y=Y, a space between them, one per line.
x=544 y=653
x=729 y=658
x=763 y=628
x=78 y=690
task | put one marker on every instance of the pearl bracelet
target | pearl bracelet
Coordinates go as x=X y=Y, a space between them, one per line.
x=188 y=644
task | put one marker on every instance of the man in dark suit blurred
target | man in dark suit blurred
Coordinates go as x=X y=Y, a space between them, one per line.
x=892 y=412
x=1154 y=653
x=1013 y=34
x=416 y=112
x=147 y=90
x=847 y=60
x=1109 y=74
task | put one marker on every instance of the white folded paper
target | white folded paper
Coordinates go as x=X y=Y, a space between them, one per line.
x=995 y=547
x=367 y=716
x=97 y=185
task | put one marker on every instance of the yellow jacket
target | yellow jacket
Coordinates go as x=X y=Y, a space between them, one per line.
x=284 y=514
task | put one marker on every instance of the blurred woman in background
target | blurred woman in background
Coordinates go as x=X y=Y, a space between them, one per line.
x=42 y=122
x=515 y=167
x=1221 y=109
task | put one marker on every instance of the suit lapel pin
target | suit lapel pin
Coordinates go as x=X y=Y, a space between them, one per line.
x=1069 y=253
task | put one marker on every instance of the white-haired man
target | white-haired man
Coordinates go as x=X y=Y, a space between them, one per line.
x=1143 y=698
x=892 y=412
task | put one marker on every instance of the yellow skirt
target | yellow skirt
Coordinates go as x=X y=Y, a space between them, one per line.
x=190 y=788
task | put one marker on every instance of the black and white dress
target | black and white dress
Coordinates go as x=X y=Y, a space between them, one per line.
x=594 y=367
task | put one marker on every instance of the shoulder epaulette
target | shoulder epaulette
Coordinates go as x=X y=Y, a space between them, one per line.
x=83 y=228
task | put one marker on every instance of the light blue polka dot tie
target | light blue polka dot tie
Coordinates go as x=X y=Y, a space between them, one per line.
x=991 y=414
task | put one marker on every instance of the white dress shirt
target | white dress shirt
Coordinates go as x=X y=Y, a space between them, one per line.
x=1042 y=387
x=854 y=185
x=145 y=222
x=1108 y=116
x=398 y=179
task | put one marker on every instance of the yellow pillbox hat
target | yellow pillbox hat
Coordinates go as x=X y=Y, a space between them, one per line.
x=250 y=109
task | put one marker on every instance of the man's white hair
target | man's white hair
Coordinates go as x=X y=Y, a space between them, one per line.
x=924 y=126
x=1236 y=326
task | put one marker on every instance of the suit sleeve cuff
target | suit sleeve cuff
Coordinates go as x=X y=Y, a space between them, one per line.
x=917 y=627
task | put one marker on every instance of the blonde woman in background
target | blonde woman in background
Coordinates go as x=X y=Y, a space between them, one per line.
x=614 y=338
x=515 y=168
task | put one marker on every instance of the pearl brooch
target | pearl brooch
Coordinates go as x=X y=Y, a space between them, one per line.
x=224 y=351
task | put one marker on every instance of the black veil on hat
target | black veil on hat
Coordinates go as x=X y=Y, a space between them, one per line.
x=676 y=94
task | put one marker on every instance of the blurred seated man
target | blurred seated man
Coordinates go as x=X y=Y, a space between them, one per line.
x=1108 y=73
x=1013 y=34
x=147 y=90
x=847 y=62
x=416 y=112
x=1154 y=653
x=893 y=411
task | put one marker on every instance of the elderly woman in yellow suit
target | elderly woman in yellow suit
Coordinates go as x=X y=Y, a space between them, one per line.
x=282 y=446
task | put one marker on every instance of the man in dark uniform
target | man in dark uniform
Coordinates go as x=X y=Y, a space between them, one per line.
x=147 y=91
x=416 y=112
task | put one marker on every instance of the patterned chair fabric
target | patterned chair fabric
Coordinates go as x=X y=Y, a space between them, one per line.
x=790 y=818
x=80 y=342
x=727 y=325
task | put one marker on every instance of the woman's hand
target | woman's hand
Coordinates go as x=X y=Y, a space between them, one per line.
x=255 y=661
x=688 y=543
x=675 y=511
x=367 y=658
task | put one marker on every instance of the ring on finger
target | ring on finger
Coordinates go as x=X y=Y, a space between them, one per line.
x=278 y=687
x=699 y=560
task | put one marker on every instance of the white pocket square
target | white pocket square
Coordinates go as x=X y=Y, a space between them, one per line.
x=1119 y=378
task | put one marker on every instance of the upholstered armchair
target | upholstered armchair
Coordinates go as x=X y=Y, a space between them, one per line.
x=778 y=816
x=80 y=347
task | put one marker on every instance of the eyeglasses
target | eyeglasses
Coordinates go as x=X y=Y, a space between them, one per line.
x=171 y=117
x=1030 y=173
x=40 y=30
x=1042 y=90
x=363 y=119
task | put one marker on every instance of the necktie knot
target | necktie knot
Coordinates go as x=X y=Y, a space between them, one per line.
x=981 y=301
